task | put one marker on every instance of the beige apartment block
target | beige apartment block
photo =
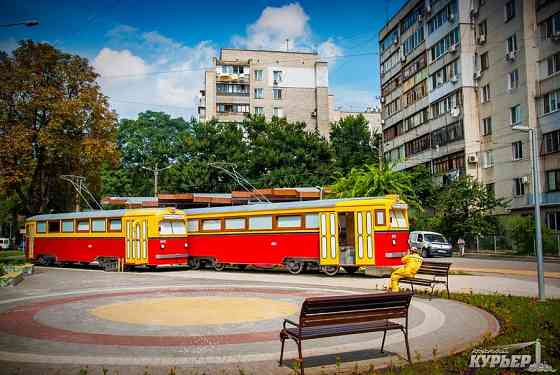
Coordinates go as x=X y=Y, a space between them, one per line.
x=458 y=77
x=293 y=85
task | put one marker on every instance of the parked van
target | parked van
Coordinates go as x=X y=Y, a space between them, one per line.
x=4 y=243
x=430 y=244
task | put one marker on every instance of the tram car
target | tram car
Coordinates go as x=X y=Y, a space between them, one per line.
x=325 y=234
x=127 y=237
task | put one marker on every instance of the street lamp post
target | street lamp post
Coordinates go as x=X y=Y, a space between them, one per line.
x=537 y=202
x=28 y=23
x=320 y=188
x=156 y=171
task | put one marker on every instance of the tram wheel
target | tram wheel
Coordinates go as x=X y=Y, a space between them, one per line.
x=350 y=269
x=194 y=263
x=331 y=270
x=242 y=267
x=219 y=266
x=295 y=268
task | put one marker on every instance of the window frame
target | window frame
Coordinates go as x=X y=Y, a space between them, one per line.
x=517 y=150
x=261 y=91
x=219 y=220
x=384 y=213
x=517 y=109
x=39 y=223
x=68 y=221
x=316 y=214
x=276 y=93
x=259 y=75
x=301 y=221
x=83 y=220
x=53 y=222
x=556 y=174
x=245 y=224
x=518 y=183
x=509 y=11
x=197 y=226
x=110 y=221
x=261 y=229
x=487 y=130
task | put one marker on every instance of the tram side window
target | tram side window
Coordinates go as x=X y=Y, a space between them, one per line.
x=236 y=223
x=41 y=227
x=54 y=226
x=68 y=226
x=115 y=225
x=83 y=225
x=98 y=225
x=213 y=224
x=193 y=225
x=312 y=221
x=380 y=217
x=291 y=221
x=260 y=222
x=398 y=219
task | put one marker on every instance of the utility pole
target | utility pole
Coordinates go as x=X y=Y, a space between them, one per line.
x=536 y=185
x=156 y=171
x=287 y=46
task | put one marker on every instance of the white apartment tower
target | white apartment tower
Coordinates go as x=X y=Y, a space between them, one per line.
x=458 y=76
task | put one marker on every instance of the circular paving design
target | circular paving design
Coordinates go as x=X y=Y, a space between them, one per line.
x=200 y=325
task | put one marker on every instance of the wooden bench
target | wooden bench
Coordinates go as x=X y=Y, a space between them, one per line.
x=346 y=315
x=439 y=272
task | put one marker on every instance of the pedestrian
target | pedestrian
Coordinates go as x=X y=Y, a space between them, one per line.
x=461 y=244
x=412 y=263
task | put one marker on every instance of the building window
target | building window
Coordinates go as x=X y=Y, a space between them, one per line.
x=232 y=89
x=553 y=180
x=511 y=44
x=518 y=187
x=491 y=188
x=445 y=74
x=487 y=159
x=484 y=61
x=443 y=45
x=277 y=74
x=509 y=10
x=513 y=79
x=482 y=28
x=517 y=150
x=413 y=41
x=552 y=220
x=550 y=28
x=391 y=39
x=485 y=95
x=277 y=112
x=411 y=18
x=551 y=142
x=258 y=75
x=550 y=102
x=232 y=108
x=277 y=94
x=441 y=17
x=259 y=93
x=553 y=64
x=515 y=115
x=259 y=111
x=487 y=126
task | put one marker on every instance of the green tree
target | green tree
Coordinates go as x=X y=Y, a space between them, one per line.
x=54 y=120
x=353 y=144
x=373 y=180
x=284 y=154
x=465 y=207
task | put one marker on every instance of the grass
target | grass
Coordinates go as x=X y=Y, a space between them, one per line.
x=10 y=253
x=12 y=257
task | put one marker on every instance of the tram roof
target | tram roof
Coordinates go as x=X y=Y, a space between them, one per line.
x=325 y=203
x=96 y=214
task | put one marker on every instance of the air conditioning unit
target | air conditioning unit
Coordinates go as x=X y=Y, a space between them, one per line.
x=472 y=159
x=428 y=8
x=382 y=122
x=451 y=17
x=275 y=82
x=314 y=114
x=510 y=56
x=453 y=48
x=525 y=179
x=477 y=74
x=382 y=99
x=403 y=58
x=482 y=39
x=454 y=79
x=396 y=41
x=420 y=18
x=455 y=112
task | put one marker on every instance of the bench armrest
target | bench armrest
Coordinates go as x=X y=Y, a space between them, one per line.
x=290 y=322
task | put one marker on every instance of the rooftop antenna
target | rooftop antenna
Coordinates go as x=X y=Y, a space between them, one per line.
x=242 y=181
x=79 y=183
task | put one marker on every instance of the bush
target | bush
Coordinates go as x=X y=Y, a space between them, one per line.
x=521 y=230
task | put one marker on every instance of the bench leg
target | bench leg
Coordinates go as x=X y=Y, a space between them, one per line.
x=447 y=286
x=300 y=357
x=383 y=342
x=405 y=333
x=283 y=339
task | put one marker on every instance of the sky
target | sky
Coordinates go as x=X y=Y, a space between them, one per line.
x=151 y=55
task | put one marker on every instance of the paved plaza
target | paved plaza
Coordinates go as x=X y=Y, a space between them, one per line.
x=63 y=319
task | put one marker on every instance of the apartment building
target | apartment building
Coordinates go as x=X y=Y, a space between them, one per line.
x=457 y=78
x=293 y=85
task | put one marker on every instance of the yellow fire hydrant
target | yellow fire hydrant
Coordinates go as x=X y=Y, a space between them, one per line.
x=412 y=263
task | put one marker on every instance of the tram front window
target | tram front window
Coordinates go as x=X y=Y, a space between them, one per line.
x=172 y=227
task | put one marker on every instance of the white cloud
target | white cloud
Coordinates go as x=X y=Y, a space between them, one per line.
x=136 y=83
x=8 y=45
x=328 y=50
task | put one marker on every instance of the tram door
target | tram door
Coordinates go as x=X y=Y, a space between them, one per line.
x=136 y=240
x=328 y=224
x=30 y=239
x=363 y=224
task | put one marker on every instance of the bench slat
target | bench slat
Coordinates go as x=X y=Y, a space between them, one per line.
x=346 y=329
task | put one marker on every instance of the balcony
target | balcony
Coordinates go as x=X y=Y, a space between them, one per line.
x=232 y=77
x=550 y=198
x=218 y=93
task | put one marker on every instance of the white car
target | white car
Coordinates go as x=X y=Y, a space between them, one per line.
x=430 y=244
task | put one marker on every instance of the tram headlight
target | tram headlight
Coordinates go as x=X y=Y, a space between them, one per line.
x=394 y=242
x=162 y=246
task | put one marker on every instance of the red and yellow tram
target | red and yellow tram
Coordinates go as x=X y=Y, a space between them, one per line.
x=326 y=234
x=151 y=237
